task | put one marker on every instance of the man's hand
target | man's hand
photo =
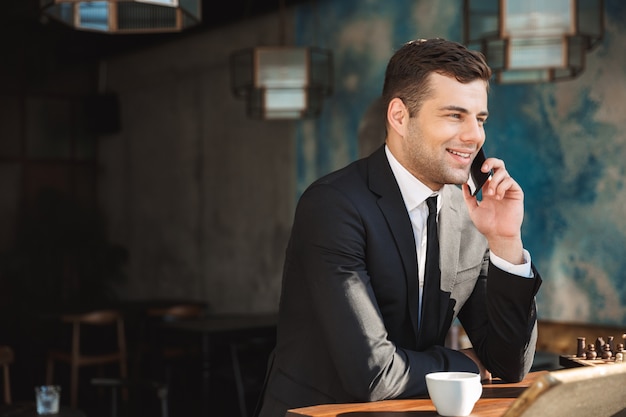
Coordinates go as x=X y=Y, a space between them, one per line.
x=500 y=213
x=485 y=375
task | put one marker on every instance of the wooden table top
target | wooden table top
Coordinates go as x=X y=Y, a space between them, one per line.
x=496 y=398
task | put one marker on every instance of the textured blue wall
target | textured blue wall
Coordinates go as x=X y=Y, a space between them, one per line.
x=565 y=143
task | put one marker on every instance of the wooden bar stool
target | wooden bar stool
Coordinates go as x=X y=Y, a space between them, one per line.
x=167 y=348
x=155 y=342
x=77 y=357
x=170 y=357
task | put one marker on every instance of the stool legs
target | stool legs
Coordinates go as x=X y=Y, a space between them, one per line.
x=7 y=384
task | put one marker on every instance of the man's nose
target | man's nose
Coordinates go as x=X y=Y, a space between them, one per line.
x=473 y=131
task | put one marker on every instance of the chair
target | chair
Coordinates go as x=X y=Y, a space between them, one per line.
x=170 y=355
x=178 y=311
x=160 y=344
x=167 y=346
x=79 y=355
x=6 y=358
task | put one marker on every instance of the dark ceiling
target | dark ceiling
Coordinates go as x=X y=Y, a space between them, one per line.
x=21 y=26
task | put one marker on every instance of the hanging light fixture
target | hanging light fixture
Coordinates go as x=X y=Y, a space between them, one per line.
x=125 y=16
x=534 y=40
x=282 y=82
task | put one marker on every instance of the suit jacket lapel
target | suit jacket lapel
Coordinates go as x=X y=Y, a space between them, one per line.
x=449 y=240
x=449 y=243
x=383 y=183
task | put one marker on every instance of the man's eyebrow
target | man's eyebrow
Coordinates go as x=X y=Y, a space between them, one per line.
x=463 y=110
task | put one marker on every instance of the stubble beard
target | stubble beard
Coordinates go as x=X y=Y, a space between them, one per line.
x=430 y=167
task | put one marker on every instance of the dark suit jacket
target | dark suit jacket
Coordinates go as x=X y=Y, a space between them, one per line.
x=347 y=327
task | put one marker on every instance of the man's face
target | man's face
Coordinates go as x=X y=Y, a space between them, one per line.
x=443 y=137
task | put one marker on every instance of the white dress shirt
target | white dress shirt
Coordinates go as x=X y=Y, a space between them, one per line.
x=414 y=193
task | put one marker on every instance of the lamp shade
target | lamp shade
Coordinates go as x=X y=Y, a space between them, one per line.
x=125 y=16
x=534 y=40
x=281 y=82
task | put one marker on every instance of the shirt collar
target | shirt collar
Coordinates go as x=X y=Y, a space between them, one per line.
x=414 y=192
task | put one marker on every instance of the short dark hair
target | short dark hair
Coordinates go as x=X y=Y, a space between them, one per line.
x=408 y=69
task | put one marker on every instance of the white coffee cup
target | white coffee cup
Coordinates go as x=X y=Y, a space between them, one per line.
x=454 y=393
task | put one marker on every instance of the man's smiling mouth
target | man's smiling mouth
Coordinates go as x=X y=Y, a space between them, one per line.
x=461 y=154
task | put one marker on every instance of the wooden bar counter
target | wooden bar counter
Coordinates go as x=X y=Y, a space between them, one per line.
x=496 y=398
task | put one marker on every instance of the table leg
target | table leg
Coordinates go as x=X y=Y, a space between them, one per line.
x=206 y=373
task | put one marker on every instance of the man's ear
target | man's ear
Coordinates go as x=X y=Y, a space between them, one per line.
x=397 y=116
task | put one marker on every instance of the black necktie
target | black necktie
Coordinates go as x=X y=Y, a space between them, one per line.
x=429 y=321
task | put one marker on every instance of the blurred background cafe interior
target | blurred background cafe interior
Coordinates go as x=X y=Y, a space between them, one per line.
x=152 y=154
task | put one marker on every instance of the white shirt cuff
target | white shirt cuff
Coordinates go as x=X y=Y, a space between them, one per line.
x=523 y=270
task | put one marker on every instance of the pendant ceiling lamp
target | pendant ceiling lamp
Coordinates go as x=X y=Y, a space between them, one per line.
x=125 y=16
x=528 y=41
x=282 y=82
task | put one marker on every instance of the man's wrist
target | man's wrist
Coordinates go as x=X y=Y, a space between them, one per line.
x=523 y=270
x=509 y=249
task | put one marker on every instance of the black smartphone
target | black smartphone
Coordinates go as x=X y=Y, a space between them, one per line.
x=478 y=178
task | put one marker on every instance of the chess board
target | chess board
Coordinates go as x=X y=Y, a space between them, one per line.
x=599 y=353
x=572 y=361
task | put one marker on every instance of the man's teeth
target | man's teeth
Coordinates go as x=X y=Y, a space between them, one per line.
x=464 y=155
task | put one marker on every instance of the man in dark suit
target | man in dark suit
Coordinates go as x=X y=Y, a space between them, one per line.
x=350 y=327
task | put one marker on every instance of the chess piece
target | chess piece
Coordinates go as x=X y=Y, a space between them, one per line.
x=591 y=352
x=610 y=341
x=580 y=348
x=606 y=352
x=600 y=344
x=619 y=354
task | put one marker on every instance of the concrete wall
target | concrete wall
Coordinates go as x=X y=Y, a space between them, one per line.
x=201 y=196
